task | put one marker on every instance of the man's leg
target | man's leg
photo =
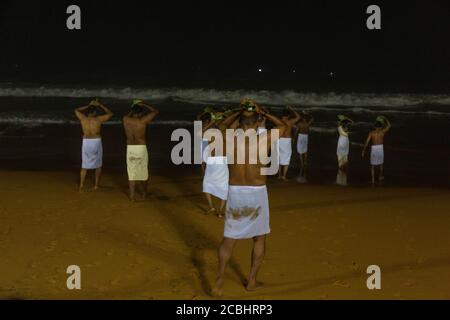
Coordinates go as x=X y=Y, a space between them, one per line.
x=132 y=185
x=82 y=179
x=98 y=173
x=210 y=203
x=225 y=251
x=372 y=172
x=144 y=189
x=305 y=164
x=284 y=170
x=259 y=249
x=302 y=163
x=381 y=175
x=222 y=207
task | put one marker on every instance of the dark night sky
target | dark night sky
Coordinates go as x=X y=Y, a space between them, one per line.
x=218 y=43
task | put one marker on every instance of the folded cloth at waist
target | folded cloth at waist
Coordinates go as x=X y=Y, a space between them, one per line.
x=137 y=162
x=285 y=151
x=377 y=155
x=92 y=153
x=216 y=179
x=247 y=212
x=302 y=143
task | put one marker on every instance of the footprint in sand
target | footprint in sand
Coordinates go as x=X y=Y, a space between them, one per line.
x=409 y=283
x=52 y=245
x=330 y=252
x=341 y=284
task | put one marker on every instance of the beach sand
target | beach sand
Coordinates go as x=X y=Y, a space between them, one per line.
x=323 y=239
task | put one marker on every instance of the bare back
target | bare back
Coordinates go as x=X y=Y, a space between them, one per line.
x=135 y=130
x=377 y=137
x=288 y=132
x=303 y=126
x=91 y=127
x=248 y=174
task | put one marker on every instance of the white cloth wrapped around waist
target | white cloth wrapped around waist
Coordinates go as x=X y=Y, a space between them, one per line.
x=285 y=151
x=216 y=179
x=92 y=153
x=247 y=212
x=343 y=146
x=377 y=155
x=137 y=162
x=302 y=143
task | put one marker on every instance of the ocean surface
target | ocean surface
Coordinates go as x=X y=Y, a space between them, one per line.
x=38 y=129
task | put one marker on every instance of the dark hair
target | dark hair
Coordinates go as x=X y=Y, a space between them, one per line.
x=286 y=113
x=91 y=109
x=136 y=109
x=249 y=120
x=378 y=124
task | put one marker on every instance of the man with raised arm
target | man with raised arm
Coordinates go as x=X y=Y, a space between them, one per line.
x=303 y=126
x=92 y=149
x=247 y=209
x=290 y=117
x=135 y=125
x=376 y=136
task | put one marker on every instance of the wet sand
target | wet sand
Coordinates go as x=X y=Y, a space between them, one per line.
x=323 y=238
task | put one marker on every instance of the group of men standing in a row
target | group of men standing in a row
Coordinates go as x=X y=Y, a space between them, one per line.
x=135 y=125
x=241 y=187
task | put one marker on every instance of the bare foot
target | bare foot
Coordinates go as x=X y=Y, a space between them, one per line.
x=254 y=286
x=284 y=179
x=80 y=189
x=217 y=291
x=210 y=211
x=95 y=188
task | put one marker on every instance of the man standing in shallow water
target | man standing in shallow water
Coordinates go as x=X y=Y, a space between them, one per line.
x=247 y=209
x=382 y=125
x=135 y=125
x=92 y=149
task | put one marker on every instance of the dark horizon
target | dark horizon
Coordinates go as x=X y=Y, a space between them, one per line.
x=222 y=45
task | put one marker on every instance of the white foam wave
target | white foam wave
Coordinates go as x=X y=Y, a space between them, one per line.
x=202 y=96
x=30 y=121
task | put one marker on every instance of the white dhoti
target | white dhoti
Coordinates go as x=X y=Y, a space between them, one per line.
x=137 y=162
x=285 y=151
x=215 y=181
x=302 y=143
x=377 y=155
x=247 y=212
x=205 y=150
x=342 y=150
x=92 y=153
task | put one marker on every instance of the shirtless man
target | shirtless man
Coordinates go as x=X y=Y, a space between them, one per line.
x=376 y=136
x=247 y=210
x=302 y=144
x=135 y=125
x=92 y=150
x=285 y=142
